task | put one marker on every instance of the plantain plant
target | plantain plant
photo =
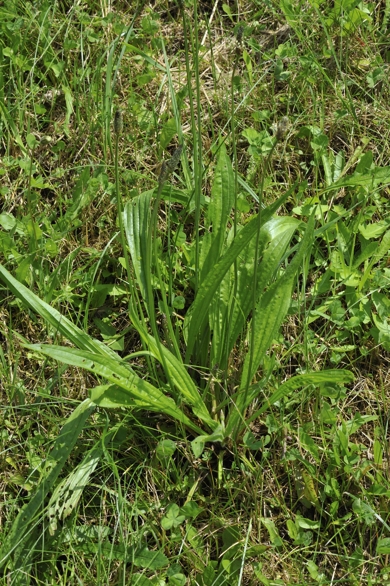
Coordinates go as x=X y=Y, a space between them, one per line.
x=217 y=325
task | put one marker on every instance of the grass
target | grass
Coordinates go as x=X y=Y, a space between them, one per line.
x=194 y=305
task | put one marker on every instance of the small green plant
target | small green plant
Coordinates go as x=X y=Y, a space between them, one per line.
x=214 y=322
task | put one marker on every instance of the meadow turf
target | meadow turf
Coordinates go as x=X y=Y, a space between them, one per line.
x=194 y=293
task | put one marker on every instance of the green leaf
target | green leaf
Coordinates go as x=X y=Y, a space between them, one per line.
x=177 y=579
x=127 y=389
x=375 y=230
x=226 y=8
x=292 y=530
x=269 y=314
x=151 y=560
x=305 y=486
x=365 y=163
x=199 y=442
x=10 y=125
x=375 y=177
x=165 y=450
x=383 y=546
x=251 y=443
x=58 y=322
x=358 y=420
x=113 y=551
x=197 y=315
x=136 y=218
x=302 y=380
x=7 y=221
x=307 y=523
x=168 y=131
x=218 y=320
x=291 y=11
x=178 y=375
x=364 y=512
x=172 y=518
x=313 y=571
x=141 y=580
x=31 y=141
x=381 y=252
x=309 y=444
x=147 y=58
x=218 y=214
x=68 y=493
x=54 y=463
x=179 y=302
x=191 y=510
x=272 y=532
x=275 y=236
x=69 y=106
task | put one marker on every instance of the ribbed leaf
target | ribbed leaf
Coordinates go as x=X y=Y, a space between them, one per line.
x=54 y=463
x=228 y=315
x=235 y=422
x=141 y=393
x=178 y=375
x=302 y=380
x=218 y=213
x=196 y=318
x=59 y=323
x=136 y=218
x=182 y=386
x=68 y=492
x=219 y=317
x=383 y=249
x=277 y=233
x=270 y=312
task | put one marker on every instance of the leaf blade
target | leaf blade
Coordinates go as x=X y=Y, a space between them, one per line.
x=143 y=394
x=55 y=462
x=197 y=316
x=53 y=317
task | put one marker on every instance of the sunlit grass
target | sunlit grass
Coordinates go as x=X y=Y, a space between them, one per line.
x=291 y=488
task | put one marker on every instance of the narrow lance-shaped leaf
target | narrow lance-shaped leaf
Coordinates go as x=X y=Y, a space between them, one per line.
x=218 y=214
x=136 y=222
x=60 y=323
x=296 y=382
x=383 y=249
x=275 y=236
x=179 y=376
x=68 y=492
x=197 y=316
x=272 y=308
x=143 y=394
x=54 y=463
x=176 y=374
x=269 y=314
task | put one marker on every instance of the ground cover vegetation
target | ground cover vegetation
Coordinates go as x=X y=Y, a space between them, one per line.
x=194 y=292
